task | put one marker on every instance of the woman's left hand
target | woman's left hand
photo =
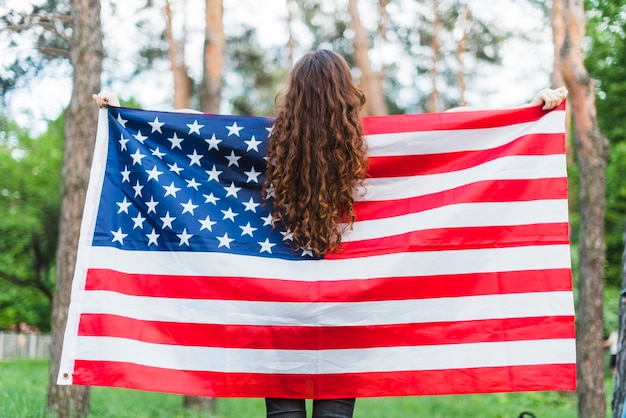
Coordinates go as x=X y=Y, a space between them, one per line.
x=550 y=98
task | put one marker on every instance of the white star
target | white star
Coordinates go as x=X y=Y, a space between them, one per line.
x=209 y=198
x=269 y=129
x=175 y=168
x=194 y=127
x=214 y=174
x=137 y=187
x=123 y=205
x=138 y=220
x=123 y=142
x=306 y=252
x=224 y=241
x=176 y=141
x=229 y=214
x=158 y=153
x=167 y=220
x=151 y=205
x=287 y=235
x=139 y=137
x=137 y=157
x=267 y=220
x=232 y=159
x=184 y=237
x=207 y=223
x=192 y=183
x=156 y=125
x=213 y=142
x=171 y=190
x=195 y=158
x=121 y=121
x=247 y=230
x=252 y=175
x=253 y=144
x=269 y=192
x=188 y=207
x=234 y=129
x=119 y=236
x=232 y=190
x=154 y=173
x=152 y=237
x=125 y=175
x=251 y=205
x=266 y=246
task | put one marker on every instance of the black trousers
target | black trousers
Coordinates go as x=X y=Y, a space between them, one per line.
x=295 y=408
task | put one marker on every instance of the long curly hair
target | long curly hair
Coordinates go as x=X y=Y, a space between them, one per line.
x=316 y=152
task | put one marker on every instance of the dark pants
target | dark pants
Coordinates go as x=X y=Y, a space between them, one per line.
x=295 y=408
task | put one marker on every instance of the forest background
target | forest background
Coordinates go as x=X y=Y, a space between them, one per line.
x=409 y=56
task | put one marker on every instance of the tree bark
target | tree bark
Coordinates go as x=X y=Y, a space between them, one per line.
x=370 y=82
x=80 y=133
x=214 y=44
x=592 y=152
x=176 y=55
x=619 y=391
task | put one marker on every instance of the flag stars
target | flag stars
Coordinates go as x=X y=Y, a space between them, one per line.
x=123 y=141
x=206 y=223
x=253 y=144
x=125 y=175
x=224 y=241
x=154 y=174
x=247 y=229
x=266 y=246
x=175 y=168
x=138 y=188
x=232 y=190
x=176 y=141
x=141 y=138
x=214 y=174
x=156 y=125
x=195 y=158
x=119 y=236
x=213 y=142
x=210 y=198
x=232 y=159
x=287 y=235
x=138 y=221
x=137 y=157
x=229 y=214
x=121 y=121
x=184 y=237
x=234 y=129
x=123 y=206
x=251 y=205
x=151 y=205
x=167 y=220
x=253 y=175
x=188 y=207
x=194 y=127
x=152 y=238
x=157 y=153
x=171 y=190
x=192 y=183
x=268 y=220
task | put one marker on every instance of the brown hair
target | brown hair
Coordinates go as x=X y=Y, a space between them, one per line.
x=316 y=153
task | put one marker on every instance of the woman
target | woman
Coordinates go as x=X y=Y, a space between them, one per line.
x=317 y=157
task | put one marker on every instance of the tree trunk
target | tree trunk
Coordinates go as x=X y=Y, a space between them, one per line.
x=592 y=152
x=370 y=82
x=176 y=54
x=463 y=24
x=214 y=43
x=80 y=133
x=619 y=391
x=433 y=97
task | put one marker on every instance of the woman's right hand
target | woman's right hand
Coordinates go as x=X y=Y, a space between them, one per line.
x=106 y=99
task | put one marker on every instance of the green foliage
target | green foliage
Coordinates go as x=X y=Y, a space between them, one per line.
x=606 y=62
x=29 y=218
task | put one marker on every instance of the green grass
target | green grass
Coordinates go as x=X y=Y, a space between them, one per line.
x=23 y=395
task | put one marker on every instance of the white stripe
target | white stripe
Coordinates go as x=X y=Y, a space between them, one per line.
x=233 y=312
x=390 y=265
x=443 y=141
x=453 y=356
x=463 y=215
x=505 y=168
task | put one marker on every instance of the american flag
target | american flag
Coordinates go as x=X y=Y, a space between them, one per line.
x=455 y=279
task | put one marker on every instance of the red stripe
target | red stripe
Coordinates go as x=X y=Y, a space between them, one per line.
x=411 y=165
x=450 y=121
x=465 y=238
x=256 y=385
x=480 y=192
x=326 y=338
x=398 y=288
